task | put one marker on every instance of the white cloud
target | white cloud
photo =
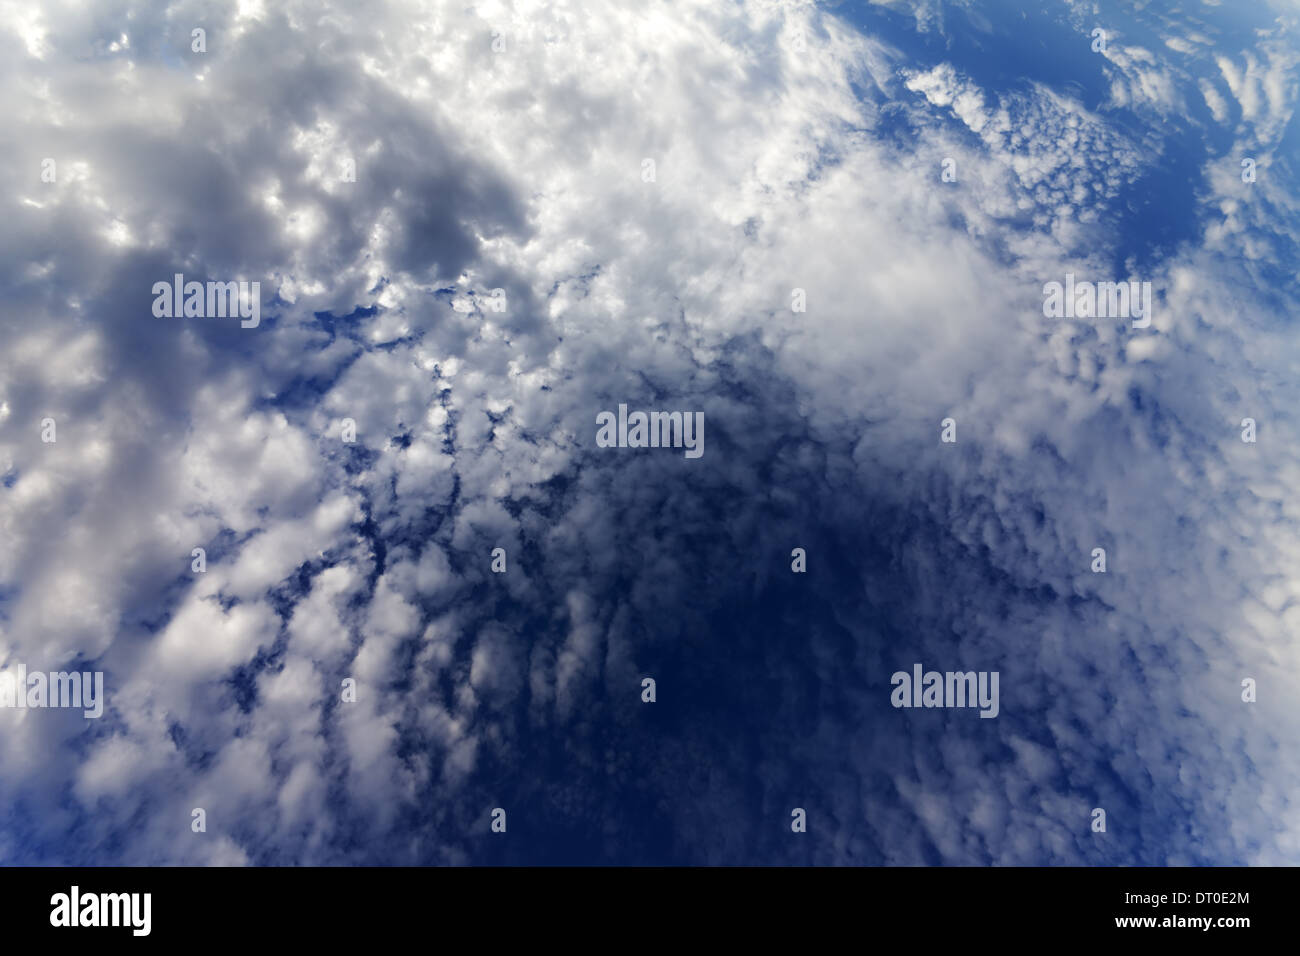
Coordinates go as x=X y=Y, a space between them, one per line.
x=521 y=170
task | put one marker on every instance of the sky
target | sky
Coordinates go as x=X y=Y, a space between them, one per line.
x=826 y=231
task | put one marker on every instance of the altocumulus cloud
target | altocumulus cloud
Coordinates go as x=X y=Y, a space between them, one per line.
x=505 y=147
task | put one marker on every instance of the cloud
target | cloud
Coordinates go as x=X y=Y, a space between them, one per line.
x=778 y=165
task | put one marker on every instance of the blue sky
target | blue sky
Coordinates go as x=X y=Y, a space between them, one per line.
x=381 y=173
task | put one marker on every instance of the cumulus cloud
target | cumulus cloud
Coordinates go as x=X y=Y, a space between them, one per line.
x=505 y=147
